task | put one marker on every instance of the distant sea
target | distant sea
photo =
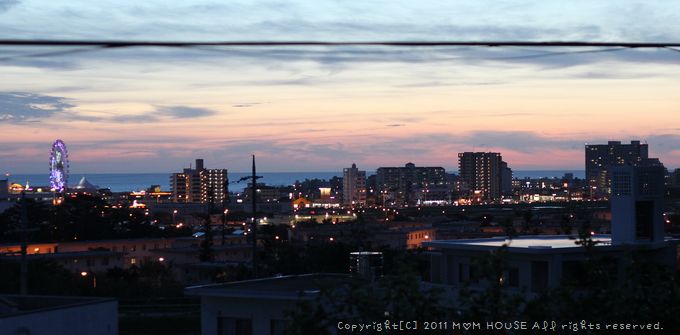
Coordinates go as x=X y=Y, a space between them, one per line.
x=122 y=182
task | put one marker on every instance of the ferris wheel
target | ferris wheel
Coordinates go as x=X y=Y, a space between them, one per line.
x=59 y=166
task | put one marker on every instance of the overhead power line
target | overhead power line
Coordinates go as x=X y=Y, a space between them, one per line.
x=93 y=45
x=121 y=44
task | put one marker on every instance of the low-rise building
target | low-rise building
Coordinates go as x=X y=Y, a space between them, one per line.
x=535 y=263
x=257 y=306
x=43 y=315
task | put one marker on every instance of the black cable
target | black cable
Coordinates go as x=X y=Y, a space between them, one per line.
x=210 y=46
x=115 y=44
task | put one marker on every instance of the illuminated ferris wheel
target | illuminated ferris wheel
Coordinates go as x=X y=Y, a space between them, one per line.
x=59 y=166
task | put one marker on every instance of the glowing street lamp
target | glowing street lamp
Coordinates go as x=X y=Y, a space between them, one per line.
x=94 y=278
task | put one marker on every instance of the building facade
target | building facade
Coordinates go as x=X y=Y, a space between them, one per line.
x=601 y=157
x=353 y=186
x=200 y=185
x=485 y=175
x=214 y=186
x=399 y=183
x=258 y=306
x=637 y=202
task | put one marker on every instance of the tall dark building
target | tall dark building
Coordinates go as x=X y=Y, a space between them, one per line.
x=637 y=202
x=506 y=179
x=674 y=178
x=485 y=174
x=404 y=180
x=601 y=157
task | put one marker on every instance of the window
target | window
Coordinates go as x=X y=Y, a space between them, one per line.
x=234 y=326
x=133 y=261
x=474 y=274
x=278 y=327
x=539 y=276
x=463 y=272
x=572 y=273
x=467 y=273
x=513 y=277
x=644 y=219
x=621 y=184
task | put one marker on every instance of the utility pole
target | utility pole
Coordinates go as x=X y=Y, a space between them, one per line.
x=225 y=210
x=254 y=225
x=23 y=290
x=253 y=198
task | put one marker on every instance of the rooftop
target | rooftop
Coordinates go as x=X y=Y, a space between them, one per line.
x=283 y=287
x=527 y=244
x=67 y=255
x=12 y=305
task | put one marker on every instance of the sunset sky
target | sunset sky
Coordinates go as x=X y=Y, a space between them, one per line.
x=320 y=109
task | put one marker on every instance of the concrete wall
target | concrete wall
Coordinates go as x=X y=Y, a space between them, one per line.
x=260 y=311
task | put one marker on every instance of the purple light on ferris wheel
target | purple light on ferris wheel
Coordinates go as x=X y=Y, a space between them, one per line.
x=59 y=166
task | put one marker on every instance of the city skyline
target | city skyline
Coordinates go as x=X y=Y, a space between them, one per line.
x=320 y=109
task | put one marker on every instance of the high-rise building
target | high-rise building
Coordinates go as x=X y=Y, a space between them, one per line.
x=200 y=185
x=506 y=179
x=674 y=178
x=403 y=181
x=214 y=186
x=353 y=186
x=637 y=194
x=601 y=157
x=186 y=186
x=485 y=174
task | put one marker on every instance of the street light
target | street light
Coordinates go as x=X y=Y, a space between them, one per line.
x=224 y=224
x=94 y=278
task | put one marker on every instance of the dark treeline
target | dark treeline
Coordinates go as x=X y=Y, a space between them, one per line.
x=84 y=217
